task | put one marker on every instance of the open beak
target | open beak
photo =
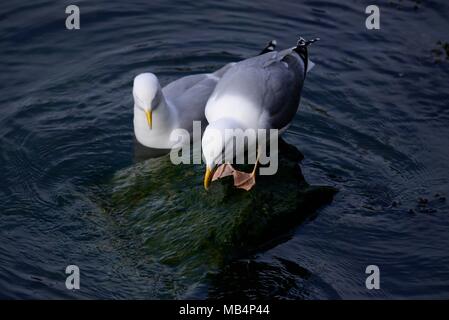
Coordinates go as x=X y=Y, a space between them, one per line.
x=149 y=115
x=208 y=177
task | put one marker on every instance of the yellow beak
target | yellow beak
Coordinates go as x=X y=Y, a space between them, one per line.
x=149 y=115
x=208 y=177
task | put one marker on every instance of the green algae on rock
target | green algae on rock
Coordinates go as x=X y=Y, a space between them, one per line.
x=182 y=226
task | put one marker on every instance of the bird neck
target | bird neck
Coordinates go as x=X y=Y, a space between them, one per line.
x=164 y=116
x=164 y=121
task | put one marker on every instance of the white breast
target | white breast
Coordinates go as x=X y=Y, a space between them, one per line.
x=236 y=107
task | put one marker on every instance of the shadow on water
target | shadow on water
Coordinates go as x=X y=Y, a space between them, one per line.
x=279 y=278
x=191 y=235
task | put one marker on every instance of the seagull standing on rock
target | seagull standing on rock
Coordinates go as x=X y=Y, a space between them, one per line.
x=262 y=92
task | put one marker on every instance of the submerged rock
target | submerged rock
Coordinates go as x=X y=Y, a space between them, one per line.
x=193 y=231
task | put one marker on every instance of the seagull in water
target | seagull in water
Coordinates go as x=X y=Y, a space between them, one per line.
x=262 y=92
x=158 y=111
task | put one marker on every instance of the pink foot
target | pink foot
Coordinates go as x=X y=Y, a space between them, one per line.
x=242 y=179
x=223 y=171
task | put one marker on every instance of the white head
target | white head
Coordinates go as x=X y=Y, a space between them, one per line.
x=147 y=94
x=213 y=145
x=217 y=138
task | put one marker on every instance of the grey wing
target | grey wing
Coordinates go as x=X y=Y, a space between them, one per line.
x=271 y=82
x=178 y=87
x=244 y=78
x=189 y=95
x=184 y=84
x=220 y=72
x=284 y=80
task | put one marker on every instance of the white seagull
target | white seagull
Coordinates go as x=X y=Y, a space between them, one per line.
x=158 y=111
x=262 y=92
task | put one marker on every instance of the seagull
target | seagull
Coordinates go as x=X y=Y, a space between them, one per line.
x=262 y=92
x=158 y=111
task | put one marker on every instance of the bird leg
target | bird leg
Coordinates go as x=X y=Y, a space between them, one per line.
x=257 y=162
x=223 y=171
x=242 y=179
x=245 y=180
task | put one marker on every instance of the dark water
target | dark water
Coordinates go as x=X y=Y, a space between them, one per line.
x=373 y=122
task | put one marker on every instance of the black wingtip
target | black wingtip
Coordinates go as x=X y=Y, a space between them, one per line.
x=270 y=47
x=304 y=43
x=302 y=50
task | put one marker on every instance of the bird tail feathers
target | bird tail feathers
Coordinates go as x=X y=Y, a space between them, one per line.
x=310 y=65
